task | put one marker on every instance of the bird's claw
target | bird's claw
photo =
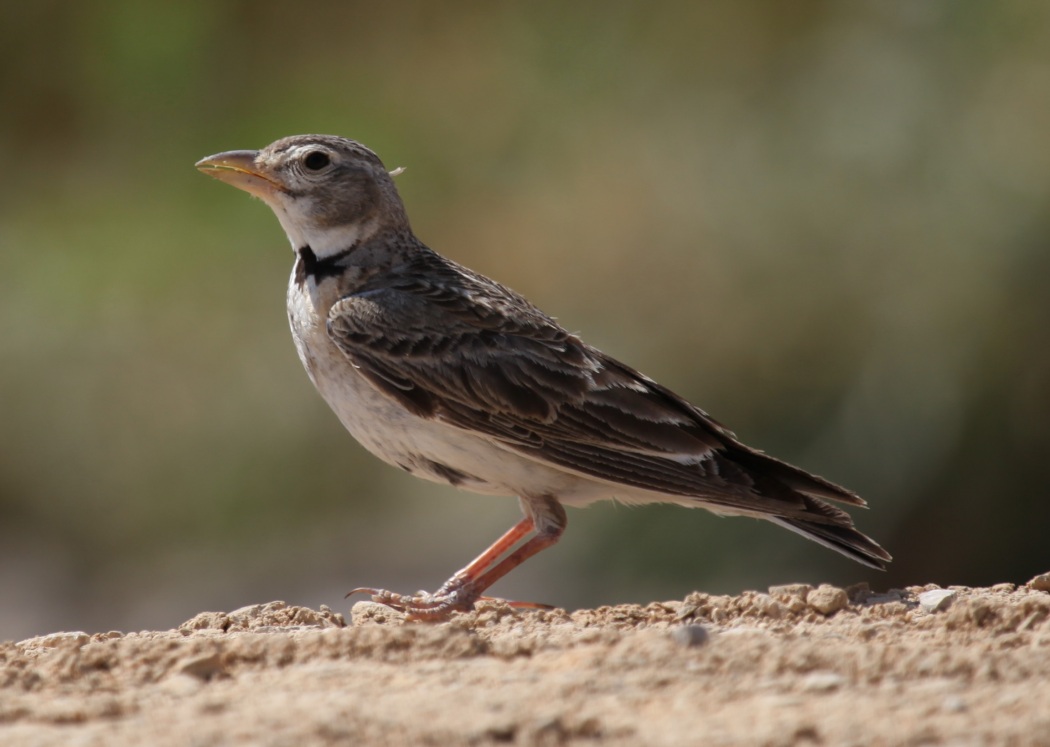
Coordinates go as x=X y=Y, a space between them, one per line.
x=423 y=606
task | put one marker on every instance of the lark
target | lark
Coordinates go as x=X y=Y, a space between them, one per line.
x=455 y=378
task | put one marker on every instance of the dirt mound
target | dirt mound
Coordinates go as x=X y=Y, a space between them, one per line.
x=921 y=665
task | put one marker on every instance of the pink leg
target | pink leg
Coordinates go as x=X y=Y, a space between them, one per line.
x=545 y=516
x=477 y=566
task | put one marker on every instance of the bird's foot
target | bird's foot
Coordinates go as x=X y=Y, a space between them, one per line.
x=456 y=595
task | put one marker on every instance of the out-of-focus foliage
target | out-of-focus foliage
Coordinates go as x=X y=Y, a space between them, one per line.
x=826 y=223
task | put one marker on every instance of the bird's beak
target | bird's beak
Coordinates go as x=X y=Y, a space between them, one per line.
x=238 y=167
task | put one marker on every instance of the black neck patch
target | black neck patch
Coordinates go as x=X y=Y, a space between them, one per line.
x=310 y=266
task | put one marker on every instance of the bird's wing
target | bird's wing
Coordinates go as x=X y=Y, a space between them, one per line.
x=479 y=357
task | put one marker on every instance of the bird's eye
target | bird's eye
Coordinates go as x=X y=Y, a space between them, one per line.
x=315 y=160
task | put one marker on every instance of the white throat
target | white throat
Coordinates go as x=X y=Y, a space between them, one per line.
x=324 y=241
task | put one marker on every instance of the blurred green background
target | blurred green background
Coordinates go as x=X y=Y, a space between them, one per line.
x=825 y=223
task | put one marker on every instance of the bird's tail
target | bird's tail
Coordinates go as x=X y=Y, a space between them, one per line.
x=843 y=539
x=817 y=520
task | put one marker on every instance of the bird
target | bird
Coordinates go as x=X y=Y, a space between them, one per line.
x=455 y=378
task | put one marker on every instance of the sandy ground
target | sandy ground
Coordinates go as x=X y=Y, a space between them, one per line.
x=795 y=665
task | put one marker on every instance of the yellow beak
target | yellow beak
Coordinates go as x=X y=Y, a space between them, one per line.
x=238 y=168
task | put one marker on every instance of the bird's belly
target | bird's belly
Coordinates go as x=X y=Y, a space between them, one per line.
x=424 y=447
x=437 y=451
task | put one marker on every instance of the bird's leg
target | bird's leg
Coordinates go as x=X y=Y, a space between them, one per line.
x=544 y=516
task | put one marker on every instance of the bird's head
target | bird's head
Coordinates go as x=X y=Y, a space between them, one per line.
x=328 y=192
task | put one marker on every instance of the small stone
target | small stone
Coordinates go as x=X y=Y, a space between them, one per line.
x=954 y=704
x=822 y=682
x=257 y=612
x=936 y=600
x=889 y=597
x=203 y=667
x=373 y=613
x=764 y=605
x=685 y=612
x=74 y=639
x=205 y=621
x=1040 y=582
x=859 y=593
x=827 y=599
x=790 y=590
x=691 y=636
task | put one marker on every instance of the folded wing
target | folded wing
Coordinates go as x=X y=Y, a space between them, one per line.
x=459 y=348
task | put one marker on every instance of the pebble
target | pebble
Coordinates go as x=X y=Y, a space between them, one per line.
x=954 y=704
x=765 y=606
x=74 y=639
x=827 y=599
x=203 y=667
x=822 y=682
x=367 y=612
x=936 y=600
x=790 y=590
x=889 y=597
x=1040 y=582
x=691 y=636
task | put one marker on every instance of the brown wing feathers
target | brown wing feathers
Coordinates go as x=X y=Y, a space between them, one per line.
x=459 y=356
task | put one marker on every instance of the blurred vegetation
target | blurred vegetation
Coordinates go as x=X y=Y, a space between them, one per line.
x=825 y=223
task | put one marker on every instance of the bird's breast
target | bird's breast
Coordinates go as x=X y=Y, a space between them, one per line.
x=425 y=447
